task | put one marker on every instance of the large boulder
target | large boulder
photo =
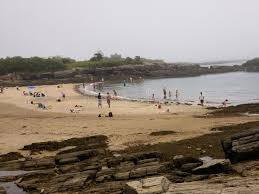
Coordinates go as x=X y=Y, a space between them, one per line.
x=154 y=185
x=213 y=167
x=180 y=160
x=242 y=146
x=2 y=190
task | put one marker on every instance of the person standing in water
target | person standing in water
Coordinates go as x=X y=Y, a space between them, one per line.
x=109 y=99
x=177 y=95
x=170 y=94
x=114 y=93
x=164 y=91
x=99 y=99
x=201 y=98
x=124 y=83
x=153 y=97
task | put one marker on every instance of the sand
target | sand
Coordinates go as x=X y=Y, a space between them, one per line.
x=22 y=123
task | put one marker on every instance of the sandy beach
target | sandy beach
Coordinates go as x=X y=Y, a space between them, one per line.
x=23 y=123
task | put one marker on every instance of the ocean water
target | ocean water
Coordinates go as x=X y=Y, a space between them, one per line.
x=238 y=88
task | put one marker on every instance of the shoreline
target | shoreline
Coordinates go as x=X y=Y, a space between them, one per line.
x=133 y=123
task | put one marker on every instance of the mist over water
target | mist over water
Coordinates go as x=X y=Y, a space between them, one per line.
x=238 y=88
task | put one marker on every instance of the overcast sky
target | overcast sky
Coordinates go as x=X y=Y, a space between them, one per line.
x=174 y=30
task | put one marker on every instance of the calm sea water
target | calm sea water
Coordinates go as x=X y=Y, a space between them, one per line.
x=238 y=88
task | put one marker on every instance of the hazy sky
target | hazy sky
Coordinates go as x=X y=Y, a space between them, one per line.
x=174 y=30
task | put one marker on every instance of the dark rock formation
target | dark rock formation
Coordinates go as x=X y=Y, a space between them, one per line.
x=252 y=65
x=242 y=146
x=2 y=190
x=213 y=167
x=152 y=70
x=93 y=169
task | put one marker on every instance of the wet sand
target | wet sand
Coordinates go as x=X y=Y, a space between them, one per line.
x=23 y=123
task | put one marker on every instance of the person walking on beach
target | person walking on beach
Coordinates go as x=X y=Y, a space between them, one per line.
x=99 y=99
x=1 y=89
x=164 y=91
x=109 y=99
x=201 y=98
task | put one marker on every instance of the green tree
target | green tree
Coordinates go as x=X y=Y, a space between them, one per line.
x=97 y=57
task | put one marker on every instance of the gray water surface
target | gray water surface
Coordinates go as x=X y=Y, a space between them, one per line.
x=238 y=88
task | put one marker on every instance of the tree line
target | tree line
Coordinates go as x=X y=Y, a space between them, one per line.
x=39 y=65
x=32 y=64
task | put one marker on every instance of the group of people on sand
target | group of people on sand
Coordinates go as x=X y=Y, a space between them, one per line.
x=34 y=94
x=108 y=100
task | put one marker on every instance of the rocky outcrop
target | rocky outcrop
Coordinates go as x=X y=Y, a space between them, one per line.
x=150 y=70
x=251 y=65
x=156 y=185
x=213 y=166
x=90 y=168
x=2 y=190
x=242 y=146
x=228 y=185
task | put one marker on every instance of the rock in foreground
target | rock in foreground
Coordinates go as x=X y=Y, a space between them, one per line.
x=150 y=185
x=242 y=146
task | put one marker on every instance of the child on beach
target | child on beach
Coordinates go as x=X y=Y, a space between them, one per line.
x=99 y=98
x=109 y=99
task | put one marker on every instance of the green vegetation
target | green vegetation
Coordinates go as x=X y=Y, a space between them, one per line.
x=32 y=65
x=98 y=60
x=40 y=65
x=102 y=63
